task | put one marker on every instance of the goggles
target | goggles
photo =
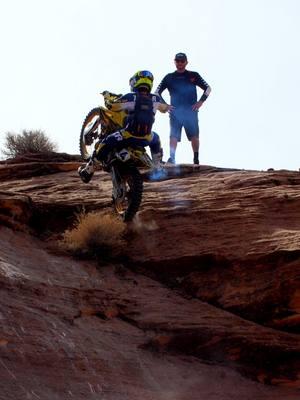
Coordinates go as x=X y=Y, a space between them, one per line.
x=145 y=74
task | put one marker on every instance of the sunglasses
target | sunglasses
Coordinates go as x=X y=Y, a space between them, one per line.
x=180 y=61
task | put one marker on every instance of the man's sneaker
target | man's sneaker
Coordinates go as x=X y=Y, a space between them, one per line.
x=196 y=161
x=86 y=172
x=171 y=160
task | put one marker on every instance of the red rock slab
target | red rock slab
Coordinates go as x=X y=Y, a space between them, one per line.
x=207 y=213
x=15 y=210
x=70 y=327
x=229 y=238
x=28 y=170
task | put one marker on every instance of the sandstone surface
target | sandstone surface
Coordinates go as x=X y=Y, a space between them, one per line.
x=204 y=303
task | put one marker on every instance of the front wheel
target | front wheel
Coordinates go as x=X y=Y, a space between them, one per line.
x=127 y=191
x=89 y=133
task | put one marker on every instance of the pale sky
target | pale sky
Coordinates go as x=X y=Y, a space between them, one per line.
x=58 y=55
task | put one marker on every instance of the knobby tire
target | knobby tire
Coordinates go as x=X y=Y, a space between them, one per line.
x=134 y=180
x=82 y=146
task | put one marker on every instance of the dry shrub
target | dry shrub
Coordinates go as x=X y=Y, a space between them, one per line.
x=96 y=234
x=29 y=141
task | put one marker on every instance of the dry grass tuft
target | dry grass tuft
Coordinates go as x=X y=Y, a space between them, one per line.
x=95 y=234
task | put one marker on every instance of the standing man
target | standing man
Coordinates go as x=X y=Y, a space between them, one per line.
x=182 y=88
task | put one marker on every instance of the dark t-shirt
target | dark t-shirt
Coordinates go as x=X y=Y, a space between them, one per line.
x=182 y=87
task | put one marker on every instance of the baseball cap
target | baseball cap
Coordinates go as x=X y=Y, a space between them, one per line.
x=181 y=57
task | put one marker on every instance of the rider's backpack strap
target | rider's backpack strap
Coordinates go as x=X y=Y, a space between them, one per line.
x=143 y=116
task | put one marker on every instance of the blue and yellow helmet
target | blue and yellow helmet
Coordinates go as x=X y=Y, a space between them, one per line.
x=141 y=79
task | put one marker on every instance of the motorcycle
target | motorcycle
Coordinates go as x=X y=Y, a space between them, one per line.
x=123 y=165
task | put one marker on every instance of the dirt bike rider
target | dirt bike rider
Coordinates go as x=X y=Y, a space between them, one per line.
x=141 y=106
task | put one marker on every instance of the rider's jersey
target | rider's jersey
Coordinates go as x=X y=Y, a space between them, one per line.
x=141 y=109
x=182 y=88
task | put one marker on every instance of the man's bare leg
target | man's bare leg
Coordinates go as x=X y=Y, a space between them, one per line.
x=173 y=146
x=195 y=146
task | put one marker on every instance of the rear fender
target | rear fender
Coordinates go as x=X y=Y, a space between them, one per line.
x=123 y=155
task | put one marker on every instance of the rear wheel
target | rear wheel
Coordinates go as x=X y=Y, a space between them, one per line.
x=89 y=133
x=127 y=192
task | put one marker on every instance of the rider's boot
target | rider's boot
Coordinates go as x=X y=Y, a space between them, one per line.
x=86 y=172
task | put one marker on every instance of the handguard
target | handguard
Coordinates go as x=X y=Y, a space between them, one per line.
x=110 y=98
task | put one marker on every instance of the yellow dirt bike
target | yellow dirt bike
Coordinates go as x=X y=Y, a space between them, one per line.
x=124 y=164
